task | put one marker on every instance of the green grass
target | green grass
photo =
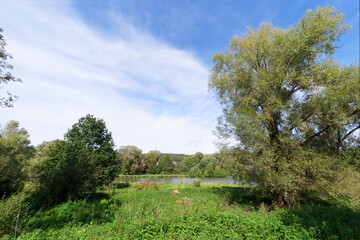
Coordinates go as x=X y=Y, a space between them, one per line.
x=212 y=211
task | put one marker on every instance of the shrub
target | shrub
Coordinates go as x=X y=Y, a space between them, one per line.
x=120 y=185
x=196 y=183
x=84 y=160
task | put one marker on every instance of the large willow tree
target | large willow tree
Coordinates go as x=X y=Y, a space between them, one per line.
x=286 y=100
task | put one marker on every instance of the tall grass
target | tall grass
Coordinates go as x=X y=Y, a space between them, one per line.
x=213 y=211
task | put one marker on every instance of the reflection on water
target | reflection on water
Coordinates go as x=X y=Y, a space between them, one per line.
x=181 y=180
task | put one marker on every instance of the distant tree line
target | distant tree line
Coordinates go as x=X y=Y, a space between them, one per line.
x=133 y=161
x=85 y=159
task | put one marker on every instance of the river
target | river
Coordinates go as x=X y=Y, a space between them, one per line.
x=180 y=180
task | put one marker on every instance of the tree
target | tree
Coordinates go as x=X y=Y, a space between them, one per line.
x=198 y=157
x=42 y=154
x=191 y=173
x=219 y=172
x=152 y=159
x=166 y=165
x=284 y=97
x=84 y=160
x=209 y=170
x=188 y=163
x=131 y=159
x=6 y=77
x=15 y=152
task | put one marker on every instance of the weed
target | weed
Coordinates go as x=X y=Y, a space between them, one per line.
x=196 y=183
x=147 y=185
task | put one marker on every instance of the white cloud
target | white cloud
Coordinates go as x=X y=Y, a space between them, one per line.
x=150 y=94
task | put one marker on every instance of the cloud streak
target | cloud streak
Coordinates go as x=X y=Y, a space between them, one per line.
x=150 y=94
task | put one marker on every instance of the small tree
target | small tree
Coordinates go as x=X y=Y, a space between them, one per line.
x=84 y=160
x=152 y=159
x=188 y=163
x=166 y=164
x=15 y=152
x=209 y=170
x=131 y=159
x=191 y=173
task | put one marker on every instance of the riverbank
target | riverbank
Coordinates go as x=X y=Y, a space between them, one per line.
x=211 y=211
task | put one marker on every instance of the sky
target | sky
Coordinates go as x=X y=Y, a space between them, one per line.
x=140 y=65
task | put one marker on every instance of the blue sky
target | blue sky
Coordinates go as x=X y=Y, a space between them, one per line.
x=204 y=26
x=140 y=65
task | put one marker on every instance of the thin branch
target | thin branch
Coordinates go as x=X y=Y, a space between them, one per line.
x=315 y=135
x=349 y=133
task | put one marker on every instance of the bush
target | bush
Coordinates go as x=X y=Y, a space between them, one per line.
x=83 y=161
x=120 y=185
x=196 y=183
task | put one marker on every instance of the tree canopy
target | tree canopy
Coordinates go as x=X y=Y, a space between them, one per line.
x=15 y=151
x=283 y=93
x=131 y=159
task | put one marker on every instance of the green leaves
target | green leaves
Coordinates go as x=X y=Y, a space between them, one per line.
x=281 y=90
x=80 y=163
x=15 y=151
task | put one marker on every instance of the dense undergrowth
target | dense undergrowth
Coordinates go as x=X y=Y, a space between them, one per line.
x=152 y=211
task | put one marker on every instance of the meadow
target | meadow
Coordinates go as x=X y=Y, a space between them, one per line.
x=147 y=210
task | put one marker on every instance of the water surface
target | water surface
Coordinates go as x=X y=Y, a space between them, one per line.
x=180 y=180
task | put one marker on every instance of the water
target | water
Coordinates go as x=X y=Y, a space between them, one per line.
x=180 y=180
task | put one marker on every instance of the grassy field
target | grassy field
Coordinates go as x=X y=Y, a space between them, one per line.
x=211 y=211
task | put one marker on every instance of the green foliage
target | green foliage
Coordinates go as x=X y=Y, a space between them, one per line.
x=84 y=160
x=219 y=172
x=210 y=212
x=15 y=152
x=199 y=173
x=120 y=185
x=176 y=157
x=131 y=159
x=12 y=211
x=152 y=159
x=191 y=173
x=166 y=165
x=6 y=77
x=198 y=157
x=188 y=163
x=352 y=156
x=209 y=170
x=196 y=183
x=284 y=98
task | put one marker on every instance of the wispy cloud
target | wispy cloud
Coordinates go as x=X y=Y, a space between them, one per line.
x=150 y=94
